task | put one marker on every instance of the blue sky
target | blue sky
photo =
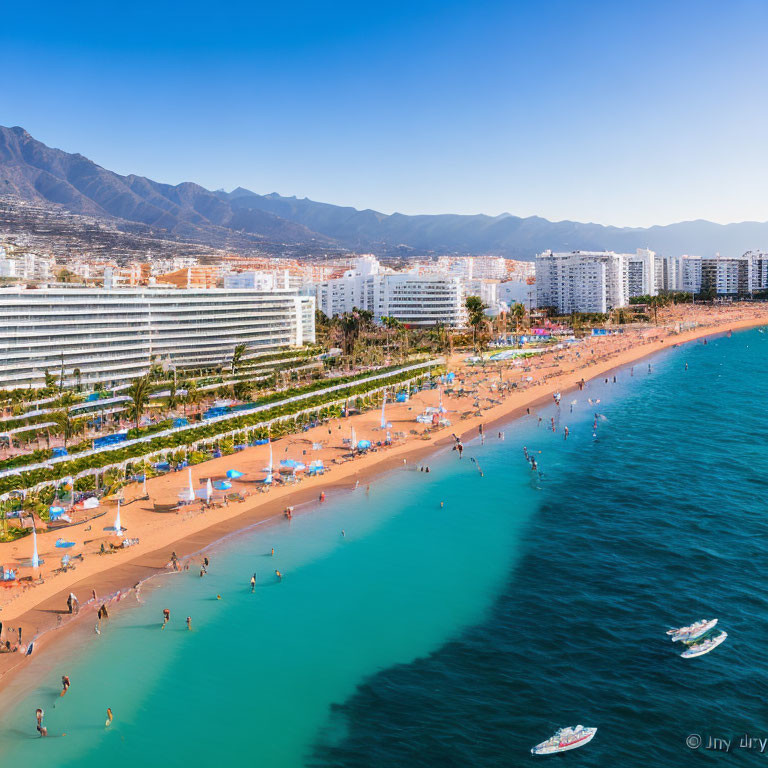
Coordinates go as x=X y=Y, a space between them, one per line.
x=627 y=113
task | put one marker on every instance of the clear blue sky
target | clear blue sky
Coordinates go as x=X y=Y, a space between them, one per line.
x=628 y=113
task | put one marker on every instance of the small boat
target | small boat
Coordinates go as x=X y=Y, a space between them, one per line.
x=565 y=739
x=692 y=631
x=705 y=646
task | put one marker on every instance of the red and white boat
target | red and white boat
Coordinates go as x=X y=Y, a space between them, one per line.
x=565 y=739
x=692 y=631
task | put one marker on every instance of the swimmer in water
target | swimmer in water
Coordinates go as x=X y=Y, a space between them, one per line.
x=272 y=552
x=279 y=575
x=65 y=683
x=218 y=597
x=109 y=718
x=166 y=617
x=189 y=622
x=342 y=532
x=253 y=583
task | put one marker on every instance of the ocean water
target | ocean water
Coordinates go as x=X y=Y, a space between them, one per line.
x=462 y=635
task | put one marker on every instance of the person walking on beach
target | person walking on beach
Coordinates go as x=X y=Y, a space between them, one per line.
x=41 y=729
x=253 y=583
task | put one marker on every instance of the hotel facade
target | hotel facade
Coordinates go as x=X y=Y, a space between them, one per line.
x=414 y=298
x=92 y=335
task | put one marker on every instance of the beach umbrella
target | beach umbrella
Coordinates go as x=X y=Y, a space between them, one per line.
x=118 y=527
x=35 y=557
x=364 y=445
x=223 y=485
x=56 y=510
x=233 y=474
x=64 y=544
x=268 y=478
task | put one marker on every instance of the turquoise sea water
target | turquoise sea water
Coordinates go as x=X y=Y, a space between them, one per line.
x=462 y=635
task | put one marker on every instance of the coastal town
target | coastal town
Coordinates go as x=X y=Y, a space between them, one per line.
x=380 y=384
x=147 y=416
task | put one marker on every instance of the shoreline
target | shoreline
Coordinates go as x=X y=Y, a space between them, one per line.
x=39 y=610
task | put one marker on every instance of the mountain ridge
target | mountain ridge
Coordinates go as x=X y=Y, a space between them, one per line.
x=35 y=172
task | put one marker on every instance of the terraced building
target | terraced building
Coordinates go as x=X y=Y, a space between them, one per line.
x=90 y=335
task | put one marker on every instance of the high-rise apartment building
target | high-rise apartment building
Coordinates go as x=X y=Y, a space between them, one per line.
x=582 y=281
x=113 y=336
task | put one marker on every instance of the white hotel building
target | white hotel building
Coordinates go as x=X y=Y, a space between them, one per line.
x=112 y=336
x=414 y=298
x=582 y=281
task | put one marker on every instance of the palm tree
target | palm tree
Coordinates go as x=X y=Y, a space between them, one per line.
x=192 y=396
x=237 y=356
x=349 y=323
x=518 y=313
x=476 y=315
x=66 y=425
x=391 y=324
x=172 y=394
x=139 y=394
x=78 y=378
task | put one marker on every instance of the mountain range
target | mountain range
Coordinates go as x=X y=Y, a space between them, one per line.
x=34 y=172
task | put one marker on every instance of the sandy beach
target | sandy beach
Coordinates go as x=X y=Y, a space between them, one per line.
x=492 y=394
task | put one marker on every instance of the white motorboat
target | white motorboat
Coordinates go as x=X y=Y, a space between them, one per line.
x=565 y=739
x=692 y=631
x=705 y=646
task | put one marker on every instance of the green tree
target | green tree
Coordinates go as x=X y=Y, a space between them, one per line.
x=237 y=356
x=518 y=314
x=138 y=391
x=476 y=315
x=66 y=425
